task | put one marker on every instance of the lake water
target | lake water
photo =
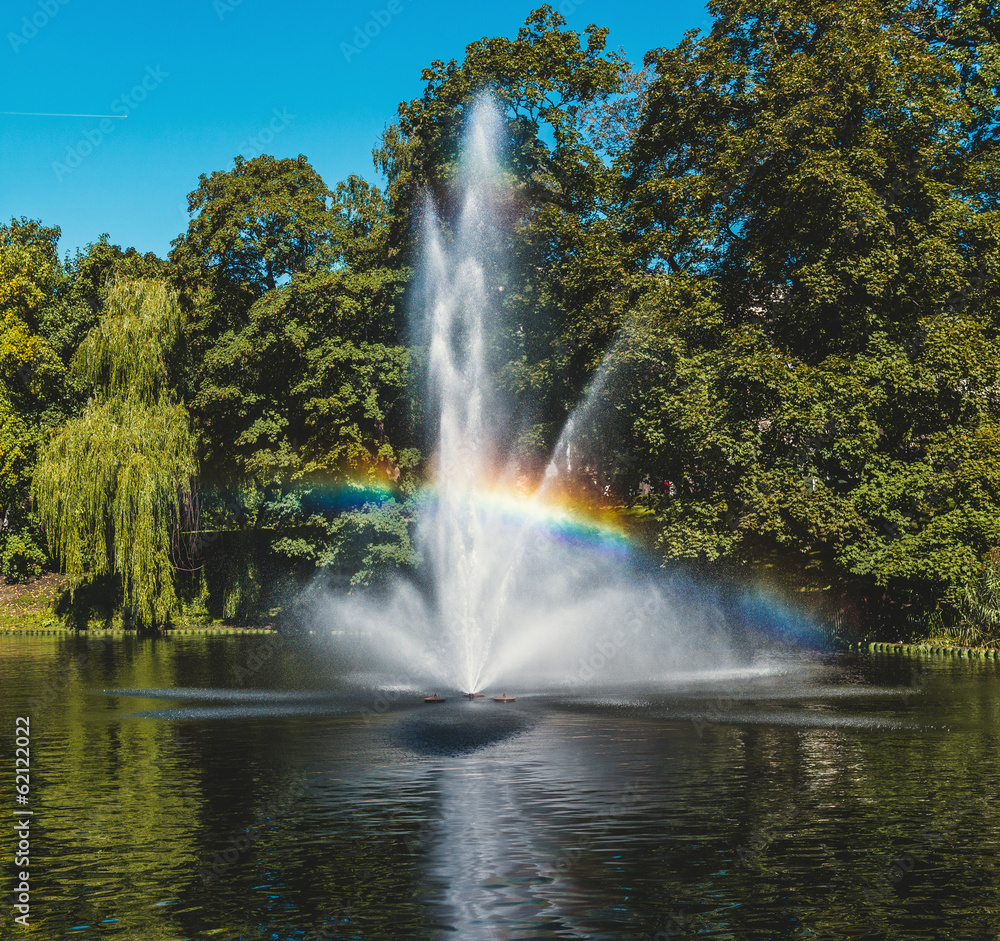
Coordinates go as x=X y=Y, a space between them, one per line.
x=847 y=796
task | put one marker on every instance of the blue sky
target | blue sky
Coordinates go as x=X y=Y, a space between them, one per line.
x=203 y=80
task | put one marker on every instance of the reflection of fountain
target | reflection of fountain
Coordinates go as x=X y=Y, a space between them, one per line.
x=522 y=590
x=503 y=853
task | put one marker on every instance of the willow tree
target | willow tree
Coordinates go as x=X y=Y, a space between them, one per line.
x=110 y=484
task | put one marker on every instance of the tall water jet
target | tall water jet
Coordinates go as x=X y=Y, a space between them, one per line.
x=521 y=589
x=460 y=288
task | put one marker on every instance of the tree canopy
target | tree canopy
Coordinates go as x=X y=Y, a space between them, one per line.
x=256 y=225
x=110 y=482
x=766 y=259
x=812 y=190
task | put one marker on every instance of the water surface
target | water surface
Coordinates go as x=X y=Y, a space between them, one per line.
x=241 y=789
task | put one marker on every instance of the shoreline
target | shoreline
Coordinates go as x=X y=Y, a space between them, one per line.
x=25 y=611
x=931 y=650
x=914 y=649
x=28 y=609
x=111 y=632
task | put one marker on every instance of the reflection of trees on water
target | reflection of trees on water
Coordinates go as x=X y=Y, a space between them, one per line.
x=601 y=820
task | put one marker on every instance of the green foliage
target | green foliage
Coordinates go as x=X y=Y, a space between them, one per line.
x=785 y=231
x=305 y=401
x=302 y=390
x=542 y=80
x=22 y=553
x=109 y=483
x=569 y=279
x=31 y=375
x=80 y=299
x=296 y=376
x=128 y=351
x=29 y=367
x=980 y=605
x=21 y=556
x=108 y=486
x=815 y=361
x=256 y=225
x=364 y=226
x=367 y=541
x=46 y=307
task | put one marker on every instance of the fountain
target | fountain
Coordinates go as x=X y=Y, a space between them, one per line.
x=524 y=591
x=650 y=769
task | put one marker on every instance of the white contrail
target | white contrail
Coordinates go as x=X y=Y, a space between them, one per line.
x=49 y=114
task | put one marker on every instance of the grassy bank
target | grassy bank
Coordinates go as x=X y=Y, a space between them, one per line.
x=31 y=607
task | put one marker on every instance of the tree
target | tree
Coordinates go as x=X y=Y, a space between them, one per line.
x=29 y=276
x=275 y=392
x=47 y=307
x=22 y=551
x=253 y=227
x=307 y=385
x=568 y=281
x=813 y=187
x=542 y=81
x=110 y=483
x=301 y=414
x=256 y=225
x=31 y=375
x=89 y=276
x=296 y=374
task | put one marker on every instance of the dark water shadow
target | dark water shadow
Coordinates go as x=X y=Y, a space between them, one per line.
x=443 y=730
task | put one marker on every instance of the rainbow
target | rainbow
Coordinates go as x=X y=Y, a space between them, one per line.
x=575 y=522
x=566 y=518
x=563 y=517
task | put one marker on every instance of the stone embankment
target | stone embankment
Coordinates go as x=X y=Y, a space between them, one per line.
x=933 y=650
x=98 y=632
